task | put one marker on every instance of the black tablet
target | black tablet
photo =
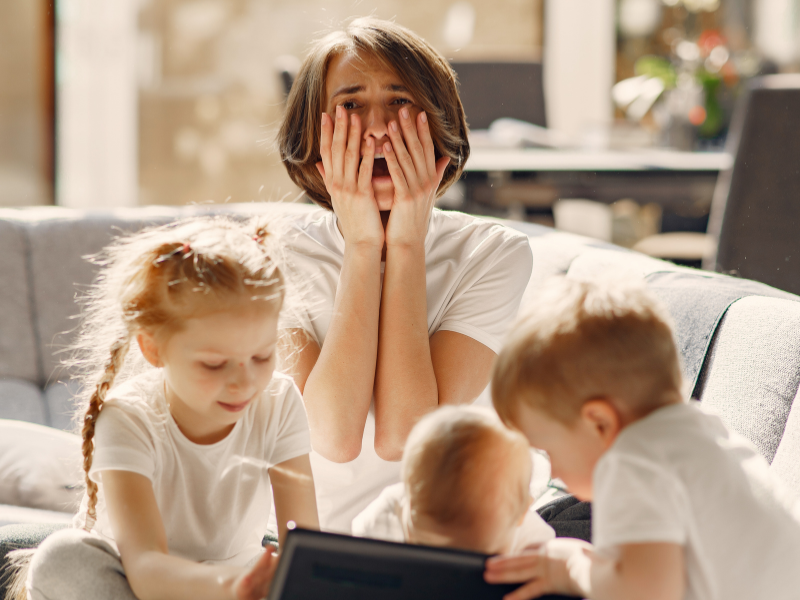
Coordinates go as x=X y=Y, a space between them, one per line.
x=326 y=566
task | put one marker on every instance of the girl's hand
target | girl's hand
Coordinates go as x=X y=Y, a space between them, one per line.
x=254 y=584
x=416 y=175
x=348 y=178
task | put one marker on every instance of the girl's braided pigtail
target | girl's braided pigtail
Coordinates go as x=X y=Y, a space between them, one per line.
x=118 y=351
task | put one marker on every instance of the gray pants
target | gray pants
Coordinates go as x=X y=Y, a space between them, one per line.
x=72 y=564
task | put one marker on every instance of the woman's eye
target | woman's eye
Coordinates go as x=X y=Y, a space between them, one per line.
x=213 y=366
x=401 y=101
x=349 y=105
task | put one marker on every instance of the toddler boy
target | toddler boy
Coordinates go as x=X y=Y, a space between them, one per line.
x=682 y=508
x=466 y=480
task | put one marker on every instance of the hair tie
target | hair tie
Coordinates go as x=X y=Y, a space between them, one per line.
x=186 y=248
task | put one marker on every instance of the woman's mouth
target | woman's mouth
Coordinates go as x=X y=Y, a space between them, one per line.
x=379 y=167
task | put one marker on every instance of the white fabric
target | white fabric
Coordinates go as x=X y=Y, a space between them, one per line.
x=383 y=520
x=680 y=476
x=214 y=499
x=476 y=272
x=40 y=467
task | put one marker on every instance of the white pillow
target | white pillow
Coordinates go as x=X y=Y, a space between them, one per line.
x=40 y=467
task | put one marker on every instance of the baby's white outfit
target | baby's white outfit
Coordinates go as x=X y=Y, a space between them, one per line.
x=383 y=520
x=476 y=272
x=679 y=476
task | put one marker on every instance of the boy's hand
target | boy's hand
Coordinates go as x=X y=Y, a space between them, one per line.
x=254 y=584
x=560 y=566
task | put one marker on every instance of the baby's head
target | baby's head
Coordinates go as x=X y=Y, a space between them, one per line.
x=415 y=74
x=583 y=362
x=467 y=481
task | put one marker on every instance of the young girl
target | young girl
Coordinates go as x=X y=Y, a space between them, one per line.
x=185 y=425
x=408 y=304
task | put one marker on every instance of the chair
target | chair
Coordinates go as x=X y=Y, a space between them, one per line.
x=755 y=213
x=491 y=90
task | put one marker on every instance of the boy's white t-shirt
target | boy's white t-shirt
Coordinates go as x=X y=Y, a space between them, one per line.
x=476 y=271
x=383 y=520
x=214 y=499
x=679 y=476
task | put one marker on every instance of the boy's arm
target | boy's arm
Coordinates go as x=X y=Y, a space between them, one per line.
x=151 y=572
x=566 y=566
x=293 y=492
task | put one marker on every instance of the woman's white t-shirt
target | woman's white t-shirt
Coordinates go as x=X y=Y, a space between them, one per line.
x=214 y=499
x=476 y=271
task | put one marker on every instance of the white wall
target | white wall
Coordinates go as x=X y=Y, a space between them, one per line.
x=97 y=103
x=579 y=49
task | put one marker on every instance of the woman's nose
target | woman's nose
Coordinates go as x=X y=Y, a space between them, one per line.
x=376 y=122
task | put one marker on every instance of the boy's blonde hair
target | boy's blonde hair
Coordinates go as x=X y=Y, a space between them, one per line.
x=426 y=74
x=582 y=340
x=452 y=460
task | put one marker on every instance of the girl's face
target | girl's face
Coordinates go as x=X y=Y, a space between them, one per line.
x=215 y=366
x=362 y=85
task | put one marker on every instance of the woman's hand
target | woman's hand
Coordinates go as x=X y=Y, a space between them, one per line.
x=348 y=178
x=416 y=175
x=254 y=583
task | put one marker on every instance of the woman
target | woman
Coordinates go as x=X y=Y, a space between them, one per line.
x=408 y=303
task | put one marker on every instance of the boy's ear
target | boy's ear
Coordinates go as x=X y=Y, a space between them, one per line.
x=149 y=348
x=603 y=419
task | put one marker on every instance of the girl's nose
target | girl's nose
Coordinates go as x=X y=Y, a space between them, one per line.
x=243 y=379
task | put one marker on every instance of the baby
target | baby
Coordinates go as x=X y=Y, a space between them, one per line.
x=682 y=507
x=466 y=482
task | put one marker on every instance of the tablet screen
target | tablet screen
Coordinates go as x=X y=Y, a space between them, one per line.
x=316 y=565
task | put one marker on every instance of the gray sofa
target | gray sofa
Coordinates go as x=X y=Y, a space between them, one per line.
x=746 y=364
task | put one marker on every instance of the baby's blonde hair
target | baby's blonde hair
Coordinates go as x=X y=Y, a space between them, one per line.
x=451 y=461
x=153 y=281
x=582 y=340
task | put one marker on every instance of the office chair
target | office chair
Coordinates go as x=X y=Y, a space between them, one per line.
x=491 y=90
x=755 y=213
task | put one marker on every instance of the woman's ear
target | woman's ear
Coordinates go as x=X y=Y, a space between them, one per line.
x=603 y=419
x=149 y=347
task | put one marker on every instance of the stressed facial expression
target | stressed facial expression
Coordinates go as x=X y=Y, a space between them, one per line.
x=363 y=86
x=216 y=366
x=573 y=449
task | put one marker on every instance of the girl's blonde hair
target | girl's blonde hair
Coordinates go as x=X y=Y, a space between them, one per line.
x=582 y=340
x=451 y=460
x=426 y=74
x=153 y=281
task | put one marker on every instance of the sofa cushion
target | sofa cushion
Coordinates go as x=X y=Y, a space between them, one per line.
x=786 y=465
x=22 y=400
x=40 y=467
x=61 y=404
x=752 y=371
x=18 y=352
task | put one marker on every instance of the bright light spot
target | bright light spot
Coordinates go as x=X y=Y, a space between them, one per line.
x=459 y=24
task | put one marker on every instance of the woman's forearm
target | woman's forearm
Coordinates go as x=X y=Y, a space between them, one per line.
x=405 y=382
x=339 y=389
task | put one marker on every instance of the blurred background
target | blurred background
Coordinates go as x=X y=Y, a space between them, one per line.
x=606 y=117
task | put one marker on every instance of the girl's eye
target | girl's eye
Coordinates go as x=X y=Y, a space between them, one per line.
x=262 y=359
x=213 y=367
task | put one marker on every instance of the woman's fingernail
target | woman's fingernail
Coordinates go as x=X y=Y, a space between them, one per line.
x=423 y=117
x=324 y=118
x=387 y=147
x=352 y=119
x=404 y=113
x=393 y=125
x=339 y=112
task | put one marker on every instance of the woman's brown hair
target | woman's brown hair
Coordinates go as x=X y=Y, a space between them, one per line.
x=424 y=72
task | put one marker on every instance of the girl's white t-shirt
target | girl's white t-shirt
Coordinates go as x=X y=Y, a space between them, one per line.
x=214 y=499
x=476 y=272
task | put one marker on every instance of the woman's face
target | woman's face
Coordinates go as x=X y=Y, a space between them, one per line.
x=363 y=86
